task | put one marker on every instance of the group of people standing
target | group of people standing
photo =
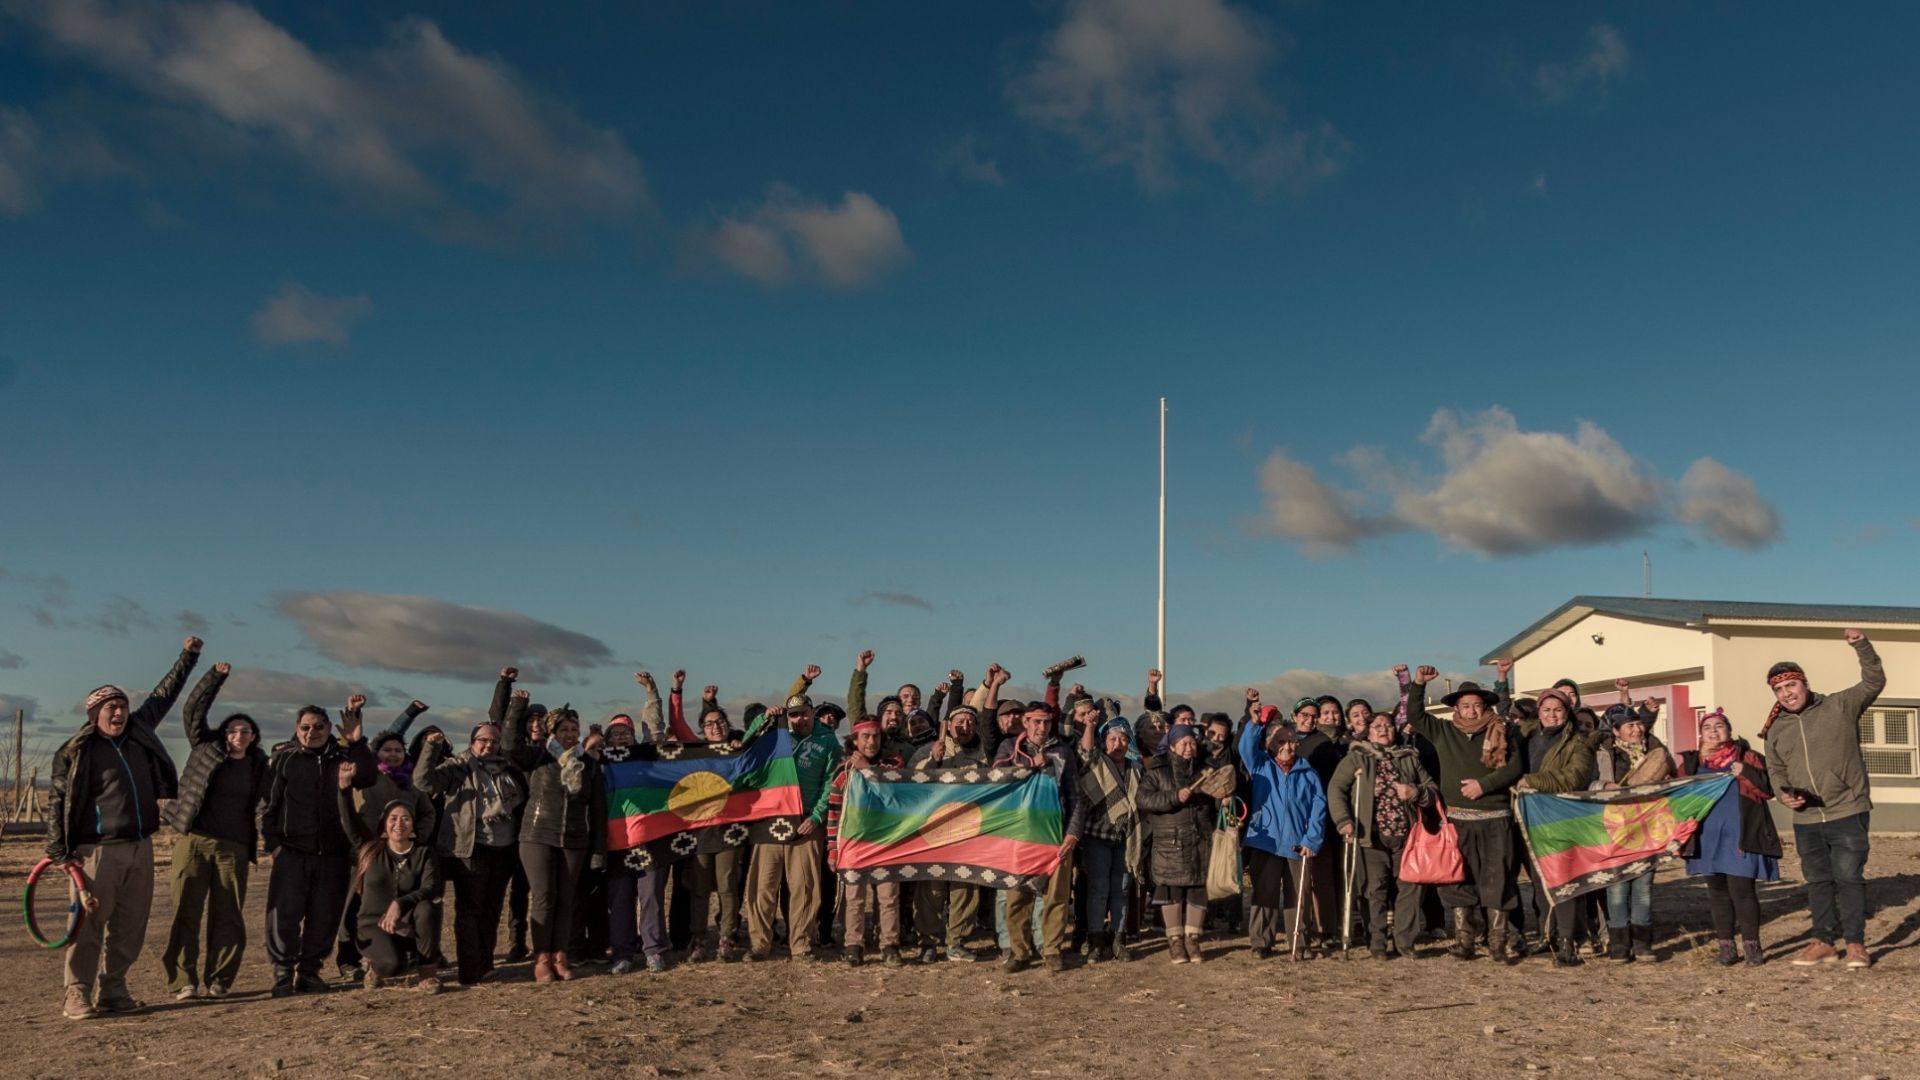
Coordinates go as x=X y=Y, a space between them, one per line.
x=367 y=833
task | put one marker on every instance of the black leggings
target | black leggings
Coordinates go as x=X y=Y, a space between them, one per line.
x=1734 y=900
x=553 y=891
x=390 y=954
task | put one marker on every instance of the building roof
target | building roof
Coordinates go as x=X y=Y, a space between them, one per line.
x=1697 y=613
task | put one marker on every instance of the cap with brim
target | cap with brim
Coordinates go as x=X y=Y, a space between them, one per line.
x=1010 y=707
x=1617 y=715
x=828 y=708
x=1471 y=689
x=620 y=720
x=799 y=701
x=967 y=710
x=1306 y=703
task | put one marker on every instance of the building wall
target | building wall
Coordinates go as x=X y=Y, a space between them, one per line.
x=1632 y=650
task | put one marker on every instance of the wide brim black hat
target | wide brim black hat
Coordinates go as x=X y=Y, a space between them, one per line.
x=1487 y=697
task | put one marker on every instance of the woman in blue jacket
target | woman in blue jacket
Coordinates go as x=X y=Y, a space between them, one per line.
x=1286 y=824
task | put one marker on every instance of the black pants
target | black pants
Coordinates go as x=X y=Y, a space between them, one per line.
x=1486 y=847
x=1324 y=891
x=305 y=896
x=479 y=891
x=553 y=879
x=391 y=954
x=589 y=941
x=348 y=951
x=1734 y=902
x=680 y=906
x=1379 y=874
x=517 y=899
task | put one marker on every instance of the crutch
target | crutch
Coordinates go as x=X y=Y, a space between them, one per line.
x=1349 y=863
x=1300 y=905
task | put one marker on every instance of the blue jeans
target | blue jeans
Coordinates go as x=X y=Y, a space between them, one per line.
x=1833 y=859
x=1631 y=901
x=1105 y=864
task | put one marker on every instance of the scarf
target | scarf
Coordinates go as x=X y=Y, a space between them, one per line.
x=1722 y=759
x=1493 y=751
x=401 y=774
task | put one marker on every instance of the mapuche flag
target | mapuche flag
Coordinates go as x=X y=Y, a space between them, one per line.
x=1587 y=840
x=671 y=799
x=976 y=825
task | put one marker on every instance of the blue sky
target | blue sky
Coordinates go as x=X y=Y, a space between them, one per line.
x=735 y=337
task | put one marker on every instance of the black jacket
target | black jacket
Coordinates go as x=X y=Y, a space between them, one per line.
x=1758 y=834
x=302 y=787
x=381 y=877
x=552 y=815
x=73 y=809
x=209 y=752
x=1179 y=835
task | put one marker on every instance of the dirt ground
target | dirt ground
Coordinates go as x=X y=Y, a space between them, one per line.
x=1232 y=1016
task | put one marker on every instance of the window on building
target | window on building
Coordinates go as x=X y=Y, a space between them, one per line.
x=1887 y=741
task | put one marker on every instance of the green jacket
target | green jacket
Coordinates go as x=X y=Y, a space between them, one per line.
x=1569 y=765
x=1818 y=748
x=1459 y=757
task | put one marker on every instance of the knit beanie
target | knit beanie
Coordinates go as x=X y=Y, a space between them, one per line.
x=99 y=699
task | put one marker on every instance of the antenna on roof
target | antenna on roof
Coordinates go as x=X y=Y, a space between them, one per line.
x=1646 y=574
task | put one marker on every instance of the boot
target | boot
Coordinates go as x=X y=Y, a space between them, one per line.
x=282 y=982
x=1499 y=939
x=1751 y=948
x=429 y=981
x=1565 y=953
x=1117 y=948
x=1193 y=945
x=1462 y=946
x=1176 y=944
x=518 y=952
x=1619 y=946
x=560 y=969
x=1641 y=941
x=1728 y=955
x=543 y=967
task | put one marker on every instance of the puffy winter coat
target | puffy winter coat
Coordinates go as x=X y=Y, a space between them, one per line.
x=1179 y=835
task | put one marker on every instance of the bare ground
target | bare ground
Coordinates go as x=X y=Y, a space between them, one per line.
x=1230 y=1017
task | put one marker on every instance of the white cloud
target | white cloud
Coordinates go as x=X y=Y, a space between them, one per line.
x=1143 y=84
x=1502 y=491
x=1725 y=506
x=965 y=161
x=1606 y=59
x=416 y=126
x=1300 y=506
x=789 y=237
x=434 y=637
x=297 y=315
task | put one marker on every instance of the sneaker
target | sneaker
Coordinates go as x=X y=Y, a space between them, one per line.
x=1728 y=955
x=698 y=954
x=186 y=993
x=656 y=963
x=1857 y=957
x=215 y=990
x=929 y=955
x=372 y=980
x=1014 y=964
x=962 y=954
x=1261 y=952
x=759 y=955
x=310 y=984
x=854 y=955
x=620 y=967
x=1379 y=954
x=351 y=973
x=1056 y=963
x=77 y=1007
x=283 y=987
x=519 y=954
x=1751 y=949
x=119 y=1005
x=1816 y=952
x=729 y=952
x=429 y=983
x=891 y=957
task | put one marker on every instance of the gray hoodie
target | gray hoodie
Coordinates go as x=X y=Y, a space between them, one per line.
x=1818 y=748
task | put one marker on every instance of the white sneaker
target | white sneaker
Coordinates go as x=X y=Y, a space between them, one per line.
x=215 y=991
x=186 y=993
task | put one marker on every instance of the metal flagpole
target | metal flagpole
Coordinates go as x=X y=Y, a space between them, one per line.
x=1161 y=652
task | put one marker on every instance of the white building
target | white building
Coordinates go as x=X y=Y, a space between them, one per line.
x=1703 y=654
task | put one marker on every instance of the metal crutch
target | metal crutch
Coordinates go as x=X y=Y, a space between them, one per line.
x=1300 y=904
x=1349 y=862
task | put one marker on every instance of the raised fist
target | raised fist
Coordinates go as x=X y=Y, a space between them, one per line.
x=510 y=673
x=679 y=678
x=1153 y=676
x=1425 y=674
x=519 y=695
x=593 y=744
x=193 y=644
x=1504 y=666
x=435 y=738
x=1253 y=696
x=1624 y=687
x=1854 y=637
x=956 y=677
x=709 y=692
x=812 y=672
x=644 y=678
x=223 y=668
x=1399 y=670
x=356 y=702
x=864 y=660
x=1078 y=690
x=347 y=772
x=418 y=706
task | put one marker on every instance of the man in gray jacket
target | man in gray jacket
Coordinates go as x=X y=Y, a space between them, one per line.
x=1815 y=766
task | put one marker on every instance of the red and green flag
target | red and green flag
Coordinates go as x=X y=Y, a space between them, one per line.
x=1587 y=840
x=672 y=800
x=997 y=827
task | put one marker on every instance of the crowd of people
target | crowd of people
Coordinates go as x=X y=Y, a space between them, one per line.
x=368 y=833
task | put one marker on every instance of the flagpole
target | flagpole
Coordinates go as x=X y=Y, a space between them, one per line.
x=1161 y=652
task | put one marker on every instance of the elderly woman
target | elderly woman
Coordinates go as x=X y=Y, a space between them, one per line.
x=1377 y=792
x=481 y=795
x=562 y=828
x=1286 y=825
x=1110 y=855
x=1177 y=819
x=1637 y=758
x=1737 y=846
x=398 y=882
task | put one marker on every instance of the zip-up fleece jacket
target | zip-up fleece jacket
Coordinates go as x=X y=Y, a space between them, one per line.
x=75 y=813
x=1818 y=748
